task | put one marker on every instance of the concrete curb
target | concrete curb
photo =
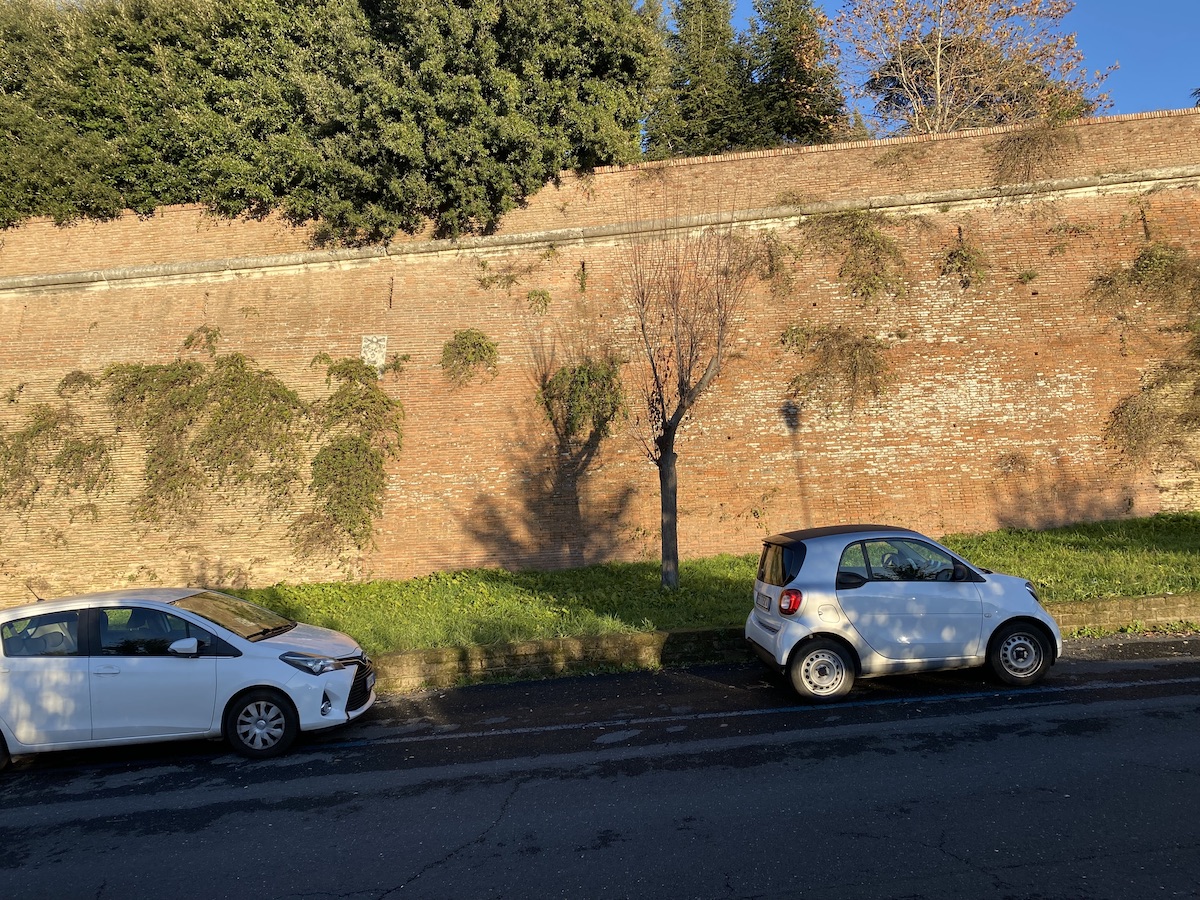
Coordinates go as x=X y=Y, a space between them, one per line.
x=418 y=669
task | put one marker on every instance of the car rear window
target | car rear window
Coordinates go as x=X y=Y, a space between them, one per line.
x=780 y=563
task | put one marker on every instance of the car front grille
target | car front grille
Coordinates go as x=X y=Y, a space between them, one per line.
x=360 y=693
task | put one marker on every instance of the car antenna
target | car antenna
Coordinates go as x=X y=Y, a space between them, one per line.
x=29 y=588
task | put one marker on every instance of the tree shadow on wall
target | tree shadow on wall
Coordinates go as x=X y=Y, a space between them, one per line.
x=549 y=525
x=1028 y=496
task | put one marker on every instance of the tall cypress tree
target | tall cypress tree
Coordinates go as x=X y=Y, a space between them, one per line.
x=701 y=110
x=794 y=97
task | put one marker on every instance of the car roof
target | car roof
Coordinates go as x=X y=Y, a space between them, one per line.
x=787 y=538
x=137 y=595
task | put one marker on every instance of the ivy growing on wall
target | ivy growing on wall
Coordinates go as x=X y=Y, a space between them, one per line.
x=362 y=425
x=219 y=422
x=467 y=354
x=964 y=261
x=52 y=444
x=585 y=398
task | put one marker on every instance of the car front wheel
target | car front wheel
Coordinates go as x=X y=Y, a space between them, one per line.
x=1019 y=654
x=261 y=724
x=822 y=670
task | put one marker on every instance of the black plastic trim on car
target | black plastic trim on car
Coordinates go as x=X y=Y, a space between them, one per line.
x=359 y=692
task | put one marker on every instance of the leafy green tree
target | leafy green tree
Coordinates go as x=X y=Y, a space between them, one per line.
x=368 y=116
x=794 y=96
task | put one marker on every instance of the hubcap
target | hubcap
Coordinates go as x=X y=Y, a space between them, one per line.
x=260 y=725
x=823 y=672
x=1020 y=654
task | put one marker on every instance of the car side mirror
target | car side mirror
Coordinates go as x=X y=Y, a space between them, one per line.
x=185 y=647
x=848 y=581
x=961 y=573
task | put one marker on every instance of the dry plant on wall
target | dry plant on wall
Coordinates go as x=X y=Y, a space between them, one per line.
x=839 y=365
x=685 y=288
x=871 y=262
x=1162 y=420
x=964 y=261
x=1031 y=154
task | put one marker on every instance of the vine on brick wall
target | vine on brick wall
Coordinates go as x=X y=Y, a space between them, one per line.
x=584 y=398
x=964 y=261
x=362 y=428
x=220 y=424
x=838 y=365
x=1031 y=154
x=872 y=264
x=51 y=443
x=467 y=354
x=1163 y=418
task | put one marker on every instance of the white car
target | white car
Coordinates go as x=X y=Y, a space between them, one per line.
x=857 y=601
x=161 y=664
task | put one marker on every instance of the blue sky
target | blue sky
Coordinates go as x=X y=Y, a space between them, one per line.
x=1156 y=43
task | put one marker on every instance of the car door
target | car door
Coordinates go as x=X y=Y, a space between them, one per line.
x=910 y=600
x=44 y=691
x=141 y=689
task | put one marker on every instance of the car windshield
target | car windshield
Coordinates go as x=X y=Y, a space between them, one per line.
x=239 y=616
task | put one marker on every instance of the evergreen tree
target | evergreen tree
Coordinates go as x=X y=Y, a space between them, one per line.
x=366 y=115
x=702 y=109
x=794 y=97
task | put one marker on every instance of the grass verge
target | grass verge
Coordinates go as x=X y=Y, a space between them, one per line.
x=1135 y=557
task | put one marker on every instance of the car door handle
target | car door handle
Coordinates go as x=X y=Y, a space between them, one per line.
x=106 y=670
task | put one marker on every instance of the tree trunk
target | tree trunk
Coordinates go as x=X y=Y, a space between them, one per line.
x=668 y=489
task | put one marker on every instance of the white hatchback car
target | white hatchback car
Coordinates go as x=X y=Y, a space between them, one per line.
x=161 y=664
x=832 y=604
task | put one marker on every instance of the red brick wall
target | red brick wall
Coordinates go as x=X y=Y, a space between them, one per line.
x=995 y=416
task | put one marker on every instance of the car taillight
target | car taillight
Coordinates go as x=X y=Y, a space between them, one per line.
x=790 y=601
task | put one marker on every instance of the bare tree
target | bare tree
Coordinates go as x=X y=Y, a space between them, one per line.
x=685 y=288
x=934 y=66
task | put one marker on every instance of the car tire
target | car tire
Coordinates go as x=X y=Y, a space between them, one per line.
x=261 y=723
x=822 y=670
x=1019 y=654
x=5 y=758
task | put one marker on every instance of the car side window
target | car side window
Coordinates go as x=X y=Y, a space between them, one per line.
x=907 y=560
x=52 y=634
x=854 y=561
x=136 y=631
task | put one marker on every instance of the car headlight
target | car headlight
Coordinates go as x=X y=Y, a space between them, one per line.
x=312 y=663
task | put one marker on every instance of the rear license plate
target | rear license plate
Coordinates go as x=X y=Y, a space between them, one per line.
x=762 y=601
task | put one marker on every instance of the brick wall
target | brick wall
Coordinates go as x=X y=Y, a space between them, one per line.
x=995 y=416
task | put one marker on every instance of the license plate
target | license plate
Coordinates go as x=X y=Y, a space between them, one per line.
x=371 y=682
x=762 y=601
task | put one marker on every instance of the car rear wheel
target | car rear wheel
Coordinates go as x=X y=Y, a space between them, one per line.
x=5 y=759
x=1019 y=654
x=261 y=724
x=822 y=670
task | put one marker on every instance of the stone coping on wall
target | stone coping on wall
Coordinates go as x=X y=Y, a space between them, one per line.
x=218 y=269
x=445 y=667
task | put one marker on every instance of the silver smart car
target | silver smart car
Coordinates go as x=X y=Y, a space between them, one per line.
x=858 y=601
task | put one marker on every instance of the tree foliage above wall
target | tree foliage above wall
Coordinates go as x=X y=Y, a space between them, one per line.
x=367 y=117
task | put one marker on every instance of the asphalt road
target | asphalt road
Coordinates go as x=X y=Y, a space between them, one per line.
x=705 y=783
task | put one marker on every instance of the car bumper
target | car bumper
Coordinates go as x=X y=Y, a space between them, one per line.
x=321 y=702
x=773 y=641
